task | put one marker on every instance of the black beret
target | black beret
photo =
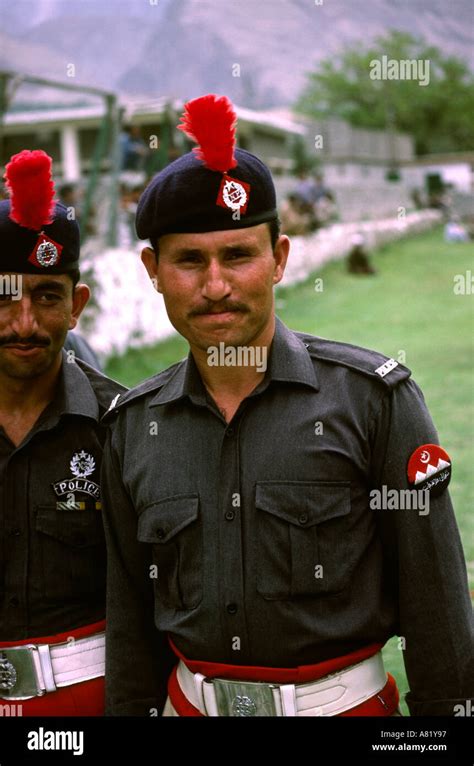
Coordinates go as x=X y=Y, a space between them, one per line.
x=54 y=251
x=37 y=234
x=189 y=197
x=213 y=188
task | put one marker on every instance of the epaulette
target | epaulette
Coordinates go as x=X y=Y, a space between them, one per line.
x=372 y=363
x=150 y=385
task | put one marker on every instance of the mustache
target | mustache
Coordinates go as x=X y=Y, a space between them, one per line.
x=218 y=308
x=32 y=340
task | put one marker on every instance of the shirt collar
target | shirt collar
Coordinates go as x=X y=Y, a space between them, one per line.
x=74 y=394
x=289 y=361
x=289 y=358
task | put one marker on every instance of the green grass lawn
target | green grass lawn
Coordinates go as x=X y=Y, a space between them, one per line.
x=408 y=311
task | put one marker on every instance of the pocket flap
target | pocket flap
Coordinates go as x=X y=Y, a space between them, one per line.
x=77 y=528
x=304 y=503
x=160 y=521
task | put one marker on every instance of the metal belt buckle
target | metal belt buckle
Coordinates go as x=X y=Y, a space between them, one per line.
x=18 y=679
x=241 y=698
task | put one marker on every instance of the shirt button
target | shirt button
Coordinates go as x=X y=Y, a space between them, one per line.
x=160 y=533
x=229 y=432
x=14 y=601
x=303 y=518
x=230 y=515
x=232 y=608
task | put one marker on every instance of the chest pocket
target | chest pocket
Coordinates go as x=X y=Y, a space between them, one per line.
x=72 y=552
x=173 y=527
x=303 y=540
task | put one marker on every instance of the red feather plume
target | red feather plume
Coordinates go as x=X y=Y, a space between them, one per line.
x=210 y=121
x=28 y=177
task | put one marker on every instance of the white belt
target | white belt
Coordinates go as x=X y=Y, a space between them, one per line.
x=328 y=696
x=31 y=670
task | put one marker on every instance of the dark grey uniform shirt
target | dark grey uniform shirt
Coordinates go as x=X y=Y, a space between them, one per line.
x=52 y=547
x=266 y=548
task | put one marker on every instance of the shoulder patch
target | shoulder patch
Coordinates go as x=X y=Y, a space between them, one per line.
x=371 y=363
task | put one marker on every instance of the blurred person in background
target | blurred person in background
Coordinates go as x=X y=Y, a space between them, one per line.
x=454 y=231
x=134 y=149
x=358 y=259
x=297 y=217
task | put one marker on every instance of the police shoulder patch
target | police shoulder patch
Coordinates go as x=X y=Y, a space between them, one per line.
x=377 y=366
x=429 y=469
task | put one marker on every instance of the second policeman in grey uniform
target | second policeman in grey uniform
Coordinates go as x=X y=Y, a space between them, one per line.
x=241 y=536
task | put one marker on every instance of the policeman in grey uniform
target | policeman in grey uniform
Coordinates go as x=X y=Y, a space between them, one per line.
x=52 y=545
x=276 y=505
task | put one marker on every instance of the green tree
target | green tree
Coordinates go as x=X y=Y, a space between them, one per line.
x=439 y=115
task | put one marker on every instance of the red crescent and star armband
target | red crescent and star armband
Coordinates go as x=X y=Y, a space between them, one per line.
x=429 y=467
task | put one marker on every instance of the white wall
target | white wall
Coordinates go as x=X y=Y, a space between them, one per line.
x=459 y=174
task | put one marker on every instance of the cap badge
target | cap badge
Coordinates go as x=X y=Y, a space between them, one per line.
x=47 y=252
x=233 y=194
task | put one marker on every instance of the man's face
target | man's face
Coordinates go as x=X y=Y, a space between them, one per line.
x=218 y=286
x=33 y=329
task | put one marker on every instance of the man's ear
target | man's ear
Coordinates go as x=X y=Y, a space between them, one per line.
x=150 y=262
x=280 y=254
x=80 y=296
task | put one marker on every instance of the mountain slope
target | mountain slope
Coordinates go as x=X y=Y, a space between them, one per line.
x=182 y=48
